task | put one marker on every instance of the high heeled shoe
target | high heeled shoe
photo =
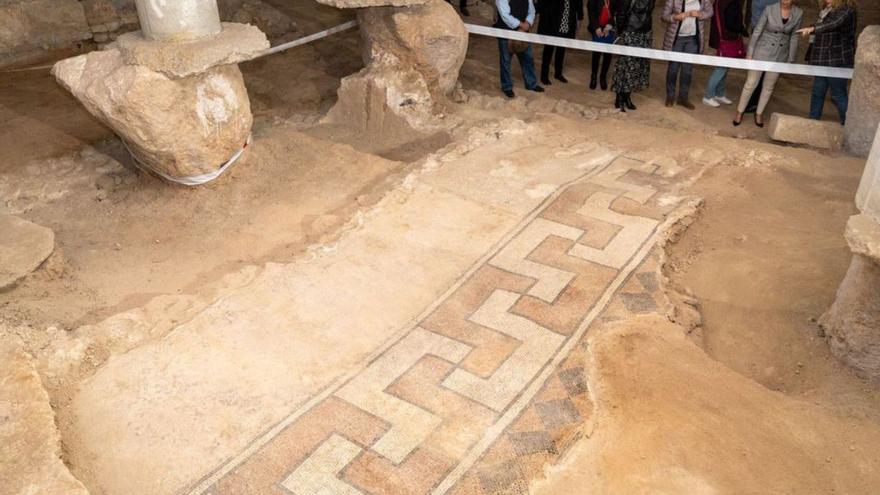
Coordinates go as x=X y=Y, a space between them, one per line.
x=759 y=124
x=738 y=120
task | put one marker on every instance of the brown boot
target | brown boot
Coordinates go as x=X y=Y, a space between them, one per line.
x=686 y=104
x=670 y=101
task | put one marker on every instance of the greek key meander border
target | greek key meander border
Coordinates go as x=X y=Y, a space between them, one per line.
x=522 y=400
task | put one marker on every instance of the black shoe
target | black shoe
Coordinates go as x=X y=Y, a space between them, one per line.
x=465 y=12
x=593 y=82
x=686 y=104
x=759 y=124
x=545 y=80
x=561 y=78
x=628 y=101
x=620 y=102
x=737 y=122
x=603 y=83
x=509 y=93
x=537 y=89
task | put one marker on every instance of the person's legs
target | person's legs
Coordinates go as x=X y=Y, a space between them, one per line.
x=594 y=68
x=770 y=79
x=756 y=95
x=606 y=64
x=672 y=79
x=504 y=56
x=817 y=98
x=546 y=57
x=527 y=63
x=560 y=63
x=840 y=96
x=714 y=83
x=748 y=89
x=689 y=45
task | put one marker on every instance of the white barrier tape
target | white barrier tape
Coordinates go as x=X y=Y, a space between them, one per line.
x=308 y=39
x=194 y=180
x=28 y=69
x=732 y=63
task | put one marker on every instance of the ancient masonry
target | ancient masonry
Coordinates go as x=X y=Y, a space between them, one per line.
x=488 y=386
x=172 y=92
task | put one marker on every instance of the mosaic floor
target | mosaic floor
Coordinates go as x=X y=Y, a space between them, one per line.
x=487 y=388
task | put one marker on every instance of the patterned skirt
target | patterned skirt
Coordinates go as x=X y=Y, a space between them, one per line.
x=631 y=73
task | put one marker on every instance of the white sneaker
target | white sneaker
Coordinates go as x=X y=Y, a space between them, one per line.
x=724 y=100
x=711 y=102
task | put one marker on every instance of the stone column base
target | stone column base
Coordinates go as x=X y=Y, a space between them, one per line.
x=852 y=325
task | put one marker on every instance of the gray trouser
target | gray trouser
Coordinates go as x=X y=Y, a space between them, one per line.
x=683 y=44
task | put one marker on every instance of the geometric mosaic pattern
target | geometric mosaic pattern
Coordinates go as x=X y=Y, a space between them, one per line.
x=488 y=386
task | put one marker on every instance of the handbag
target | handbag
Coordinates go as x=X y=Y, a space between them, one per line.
x=605 y=16
x=729 y=48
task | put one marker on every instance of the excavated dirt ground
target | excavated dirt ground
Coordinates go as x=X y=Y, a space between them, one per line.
x=269 y=332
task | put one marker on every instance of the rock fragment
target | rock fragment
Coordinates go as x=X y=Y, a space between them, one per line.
x=179 y=127
x=30 y=448
x=24 y=246
x=798 y=130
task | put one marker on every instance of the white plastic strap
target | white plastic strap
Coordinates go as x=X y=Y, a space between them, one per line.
x=194 y=180
x=310 y=38
x=731 y=63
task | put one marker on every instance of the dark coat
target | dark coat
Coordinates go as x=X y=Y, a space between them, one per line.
x=675 y=7
x=835 y=42
x=634 y=15
x=594 y=9
x=550 y=20
x=732 y=25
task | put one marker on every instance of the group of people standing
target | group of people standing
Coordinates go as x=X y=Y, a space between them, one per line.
x=691 y=25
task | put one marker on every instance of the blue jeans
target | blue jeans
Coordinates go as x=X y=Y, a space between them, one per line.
x=717 y=85
x=839 y=94
x=684 y=44
x=526 y=62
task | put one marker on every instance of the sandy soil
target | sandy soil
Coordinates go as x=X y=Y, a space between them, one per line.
x=767 y=409
x=673 y=420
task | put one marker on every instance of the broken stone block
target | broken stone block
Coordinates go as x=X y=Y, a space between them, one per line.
x=798 y=130
x=32 y=26
x=413 y=56
x=24 y=246
x=236 y=43
x=178 y=127
x=430 y=38
x=30 y=447
x=863 y=115
x=384 y=99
